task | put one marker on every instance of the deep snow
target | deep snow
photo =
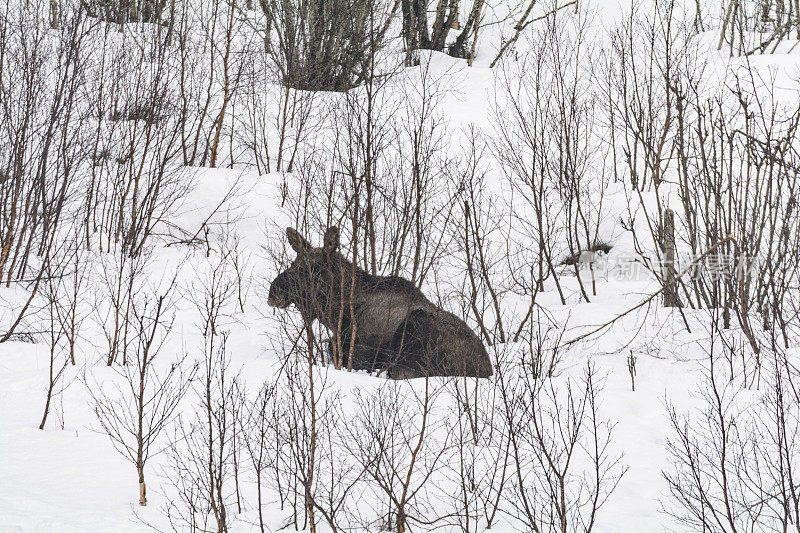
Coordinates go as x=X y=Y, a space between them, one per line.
x=69 y=478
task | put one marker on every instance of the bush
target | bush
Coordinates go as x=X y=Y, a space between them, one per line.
x=325 y=45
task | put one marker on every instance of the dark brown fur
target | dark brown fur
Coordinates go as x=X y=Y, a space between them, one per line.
x=397 y=328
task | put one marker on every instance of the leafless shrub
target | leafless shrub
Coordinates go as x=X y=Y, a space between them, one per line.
x=123 y=11
x=136 y=123
x=734 y=457
x=41 y=151
x=71 y=290
x=393 y=438
x=121 y=276
x=300 y=428
x=564 y=471
x=200 y=472
x=484 y=237
x=641 y=108
x=137 y=410
x=757 y=26
x=384 y=178
x=759 y=136
x=524 y=14
x=479 y=462
x=64 y=287
x=59 y=355
x=547 y=135
x=39 y=80
x=325 y=45
x=275 y=121
x=223 y=284
x=259 y=439
x=728 y=151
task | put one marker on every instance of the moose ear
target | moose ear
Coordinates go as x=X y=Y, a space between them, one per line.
x=296 y=241
x=331 y=241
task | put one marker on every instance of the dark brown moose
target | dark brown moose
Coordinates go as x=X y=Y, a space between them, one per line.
x=397 y=329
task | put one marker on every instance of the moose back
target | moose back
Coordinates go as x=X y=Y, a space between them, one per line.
x=396 y=328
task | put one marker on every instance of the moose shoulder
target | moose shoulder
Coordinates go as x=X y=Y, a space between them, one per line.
x=397 y=329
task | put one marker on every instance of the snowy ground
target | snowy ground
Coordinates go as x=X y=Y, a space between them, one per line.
x=68 y=477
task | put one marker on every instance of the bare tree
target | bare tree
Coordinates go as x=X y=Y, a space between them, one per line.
x=325 y=45
x=200 y=492
x=41 y=139
x=136 y=411
x=392 y=437
x=549 y=428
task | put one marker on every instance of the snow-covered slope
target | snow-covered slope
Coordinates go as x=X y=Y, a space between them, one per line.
x=69 y=477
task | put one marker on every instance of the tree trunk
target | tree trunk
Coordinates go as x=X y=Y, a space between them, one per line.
x=54 y=14
x=142 y=488
x=668 y=273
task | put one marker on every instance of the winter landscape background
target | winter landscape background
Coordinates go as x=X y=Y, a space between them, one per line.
x=606 y=192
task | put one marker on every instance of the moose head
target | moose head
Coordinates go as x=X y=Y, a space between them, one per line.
x=309 y=282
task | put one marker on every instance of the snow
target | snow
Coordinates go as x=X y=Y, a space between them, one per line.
x=68 y=477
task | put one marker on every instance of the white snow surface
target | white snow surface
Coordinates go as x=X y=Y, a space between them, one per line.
x=69 y=478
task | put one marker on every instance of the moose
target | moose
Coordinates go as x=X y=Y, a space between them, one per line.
x=382 y=323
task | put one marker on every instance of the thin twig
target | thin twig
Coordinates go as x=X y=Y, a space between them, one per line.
x=649 y=298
